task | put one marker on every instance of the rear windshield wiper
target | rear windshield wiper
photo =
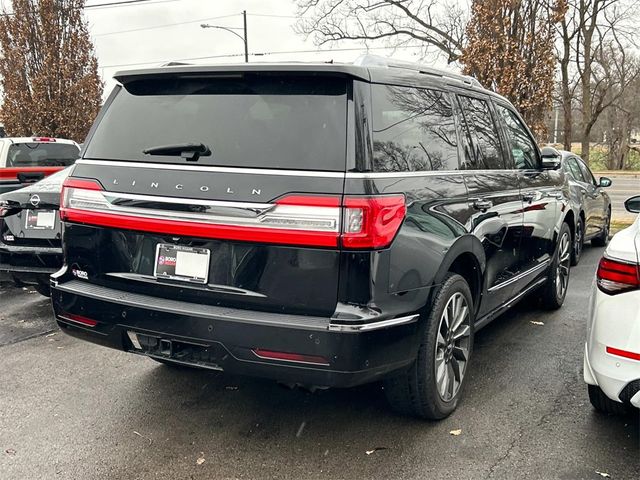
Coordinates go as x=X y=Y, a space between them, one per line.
x=188 y=151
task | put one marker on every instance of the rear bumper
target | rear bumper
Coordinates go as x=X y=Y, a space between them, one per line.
x=30 y=264
x=231 y=339
x=614 y=322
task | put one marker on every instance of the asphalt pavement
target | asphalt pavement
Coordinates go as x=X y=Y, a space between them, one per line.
x=622 y=187
x=73 y=410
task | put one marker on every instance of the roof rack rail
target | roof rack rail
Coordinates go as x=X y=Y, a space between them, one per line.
x=368 y=60
x=175 y=64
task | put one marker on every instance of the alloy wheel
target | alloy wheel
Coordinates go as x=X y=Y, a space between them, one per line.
x=577 y=248
x=564 y=262
x=452 y=347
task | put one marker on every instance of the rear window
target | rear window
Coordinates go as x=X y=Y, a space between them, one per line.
x=42 y=154
x=246 y=121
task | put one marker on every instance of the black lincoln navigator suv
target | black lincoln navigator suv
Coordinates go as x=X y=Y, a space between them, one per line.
x=318 y=224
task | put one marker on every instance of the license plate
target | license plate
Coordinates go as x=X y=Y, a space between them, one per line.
x=40 y=219
x=176 y=262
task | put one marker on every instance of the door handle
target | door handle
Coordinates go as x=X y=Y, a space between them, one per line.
x=481 y=203
x=556 y=195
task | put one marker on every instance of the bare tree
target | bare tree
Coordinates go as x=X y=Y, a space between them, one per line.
x=587 y=28
x=49 y=69
x=426 y=23
x=622 y=73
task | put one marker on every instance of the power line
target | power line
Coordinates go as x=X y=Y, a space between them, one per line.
x=153 y=27
x=257 y=54
x=126 y=3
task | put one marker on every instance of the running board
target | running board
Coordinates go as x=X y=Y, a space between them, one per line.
x=482 y=322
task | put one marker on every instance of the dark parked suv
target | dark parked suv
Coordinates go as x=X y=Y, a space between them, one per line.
x=318 y=224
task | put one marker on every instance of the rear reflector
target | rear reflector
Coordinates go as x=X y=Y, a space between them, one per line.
x=623 y=353
x=72 y=317
x=615 y=276
x=43 y=139
x=290 y=357
x=368 y=222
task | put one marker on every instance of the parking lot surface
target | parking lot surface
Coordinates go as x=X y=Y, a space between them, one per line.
x=69 y=409
x=622 y=187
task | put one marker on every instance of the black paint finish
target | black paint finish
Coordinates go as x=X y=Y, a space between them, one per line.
x=495 y=227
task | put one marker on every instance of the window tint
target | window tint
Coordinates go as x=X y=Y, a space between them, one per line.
x=42 y=154
x=523 y=148
x=413 y=130
x=574 y=169
x=275 y=121
x=586 y=173
x=485 y=153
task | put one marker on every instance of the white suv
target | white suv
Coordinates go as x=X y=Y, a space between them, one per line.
x=612 y=351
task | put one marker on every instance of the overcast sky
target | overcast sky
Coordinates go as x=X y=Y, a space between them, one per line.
x=126 y=36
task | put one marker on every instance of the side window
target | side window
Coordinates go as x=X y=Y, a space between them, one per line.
x=523 y=148
x=586 y=173
x=485 y=153
x=574 y=169
x=413 y=130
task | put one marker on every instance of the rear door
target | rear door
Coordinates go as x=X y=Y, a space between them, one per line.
x=252 y=222
x=494 y=198
x=594 y=200
x=541 y=195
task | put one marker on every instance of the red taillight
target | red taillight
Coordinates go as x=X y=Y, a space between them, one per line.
x=373 y=221
x=290 y=357
x=623 y=353
x=43 y=139
x=616 y=276
x=72 y=317
x=358 y=222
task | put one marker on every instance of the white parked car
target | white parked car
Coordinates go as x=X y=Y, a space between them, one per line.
x=612 y=351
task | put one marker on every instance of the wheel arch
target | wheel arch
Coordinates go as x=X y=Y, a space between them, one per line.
x=466 y=258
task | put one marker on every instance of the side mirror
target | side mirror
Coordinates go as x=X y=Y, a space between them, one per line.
x=633 y=204
x=551 y=158
x=604 y=182
x=551 y=163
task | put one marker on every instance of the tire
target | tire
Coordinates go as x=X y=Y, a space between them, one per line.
x=555 y=289
x=578 y=243
x=604 y=404
x=420 y=390
x=602 y=239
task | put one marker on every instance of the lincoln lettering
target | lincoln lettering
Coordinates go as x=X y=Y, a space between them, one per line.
x=180 y=186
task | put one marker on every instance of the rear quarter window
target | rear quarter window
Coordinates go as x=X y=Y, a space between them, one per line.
x=413 y=130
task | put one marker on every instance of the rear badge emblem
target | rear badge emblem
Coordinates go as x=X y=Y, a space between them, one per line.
x=35 y=200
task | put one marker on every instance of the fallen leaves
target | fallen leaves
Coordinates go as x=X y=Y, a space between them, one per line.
x=369 y=452
x=142 y=436
x=10 y=451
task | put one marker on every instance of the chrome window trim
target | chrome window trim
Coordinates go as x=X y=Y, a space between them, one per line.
x=206 y=168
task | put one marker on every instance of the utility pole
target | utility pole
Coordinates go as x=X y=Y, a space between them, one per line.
x=246 y=41
x=231 y=30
